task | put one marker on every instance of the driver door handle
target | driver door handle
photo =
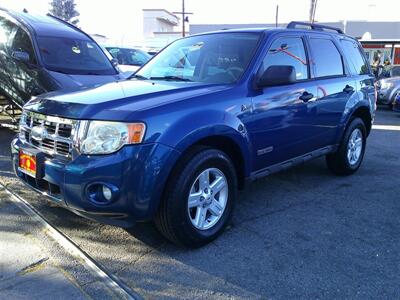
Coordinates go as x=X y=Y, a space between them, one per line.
x=306 y=96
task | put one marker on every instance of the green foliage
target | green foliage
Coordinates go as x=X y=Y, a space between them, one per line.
x=65 y=9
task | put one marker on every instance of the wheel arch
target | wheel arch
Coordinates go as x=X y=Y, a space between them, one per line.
x=362 y=112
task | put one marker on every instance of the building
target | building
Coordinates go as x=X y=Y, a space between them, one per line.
x=99 y=38
x=159 y=27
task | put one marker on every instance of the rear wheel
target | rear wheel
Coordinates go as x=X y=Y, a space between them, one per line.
x=199 y=199
x=348 y=158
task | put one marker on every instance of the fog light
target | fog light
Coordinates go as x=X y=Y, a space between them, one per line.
x=107 y=193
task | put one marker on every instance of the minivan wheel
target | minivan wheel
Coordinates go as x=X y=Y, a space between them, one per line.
x=199 y=199
x=348 y=158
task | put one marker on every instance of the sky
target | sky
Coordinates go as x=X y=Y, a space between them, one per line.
x=121 y=20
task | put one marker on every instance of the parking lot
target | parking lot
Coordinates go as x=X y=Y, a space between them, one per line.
x=304 y=233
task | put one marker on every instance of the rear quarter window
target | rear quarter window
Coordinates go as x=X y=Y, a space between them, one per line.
x=357 y=63
x=326 y=57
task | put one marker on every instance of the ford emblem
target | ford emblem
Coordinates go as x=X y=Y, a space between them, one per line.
x=38 y=133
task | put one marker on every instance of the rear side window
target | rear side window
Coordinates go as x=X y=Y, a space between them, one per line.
x=288 y=51
x=358 y=64
x=326 y=57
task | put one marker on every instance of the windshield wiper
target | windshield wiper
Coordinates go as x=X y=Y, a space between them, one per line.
x=175 y=78
x=137 y=76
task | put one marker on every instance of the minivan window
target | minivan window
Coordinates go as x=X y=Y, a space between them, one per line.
x=326 y=57
x=357 y=62
x=213 y=58
x=74 y=56
x=22 y=42
x=288 y=51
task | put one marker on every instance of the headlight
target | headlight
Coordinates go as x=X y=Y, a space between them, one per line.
x=386 y=85
x=106 y=137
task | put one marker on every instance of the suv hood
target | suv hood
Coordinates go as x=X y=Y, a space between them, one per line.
x=69 y=81
x=117 y=101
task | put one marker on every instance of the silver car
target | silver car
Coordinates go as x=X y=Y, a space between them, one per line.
x=389 y=87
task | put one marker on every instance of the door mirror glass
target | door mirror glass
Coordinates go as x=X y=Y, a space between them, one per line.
x=21 y=56
x=277 y=75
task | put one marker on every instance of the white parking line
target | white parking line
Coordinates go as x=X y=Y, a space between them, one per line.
x=113 y=282
x=386 y=127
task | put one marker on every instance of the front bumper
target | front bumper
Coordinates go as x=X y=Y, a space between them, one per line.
x=138 y=172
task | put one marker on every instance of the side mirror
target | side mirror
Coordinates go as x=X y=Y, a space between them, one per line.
x=21 y=56
x=114 y=62
x=277 y=75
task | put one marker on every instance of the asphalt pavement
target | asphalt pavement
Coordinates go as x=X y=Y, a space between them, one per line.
x=302 y=234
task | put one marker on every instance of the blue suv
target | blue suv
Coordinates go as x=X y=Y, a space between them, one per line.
x=209 y=113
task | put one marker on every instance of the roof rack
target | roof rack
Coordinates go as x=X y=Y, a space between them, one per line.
x=313 y=26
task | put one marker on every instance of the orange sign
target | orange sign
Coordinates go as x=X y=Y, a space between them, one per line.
x=27 y=163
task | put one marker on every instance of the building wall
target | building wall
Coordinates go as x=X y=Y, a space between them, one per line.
x=157 y=21
x=201 y=28
x=378 y=30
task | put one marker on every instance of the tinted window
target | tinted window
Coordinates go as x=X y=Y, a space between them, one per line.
x=356 y=60
x=22 y=42
x=73 y=56
x=288 y=52
x=127 y=56
x=212 y=58
x=326 y=57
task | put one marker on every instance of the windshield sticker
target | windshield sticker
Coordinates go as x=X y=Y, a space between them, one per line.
x=76 y=50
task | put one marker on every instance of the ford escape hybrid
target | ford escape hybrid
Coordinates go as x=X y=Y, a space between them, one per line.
x=209 y=113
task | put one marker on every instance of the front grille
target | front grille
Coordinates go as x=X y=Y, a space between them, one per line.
x=56 y=134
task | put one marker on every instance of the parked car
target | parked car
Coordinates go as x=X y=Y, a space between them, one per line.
x=389 y=86
x=396 y=103
x=128 y=59
x=39 y=54
x=175 y=147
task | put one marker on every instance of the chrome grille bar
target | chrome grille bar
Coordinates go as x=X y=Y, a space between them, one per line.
x=57 y=134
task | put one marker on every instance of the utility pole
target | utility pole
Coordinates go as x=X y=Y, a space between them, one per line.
x=184 y=14
x=276 y=16
x=313 y=8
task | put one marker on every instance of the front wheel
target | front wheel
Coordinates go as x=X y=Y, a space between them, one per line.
x=199 y=199
x=348 y=158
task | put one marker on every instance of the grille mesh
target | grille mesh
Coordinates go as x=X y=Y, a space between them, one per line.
x=57 y=137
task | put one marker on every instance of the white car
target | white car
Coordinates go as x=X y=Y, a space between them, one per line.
x=129 y=59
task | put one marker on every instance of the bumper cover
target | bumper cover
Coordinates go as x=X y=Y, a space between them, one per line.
x=139 y=172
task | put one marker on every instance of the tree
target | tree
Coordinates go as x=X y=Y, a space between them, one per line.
x=65 y=9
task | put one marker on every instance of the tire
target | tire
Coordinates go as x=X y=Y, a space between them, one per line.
x=176 y=221
x=339 y=162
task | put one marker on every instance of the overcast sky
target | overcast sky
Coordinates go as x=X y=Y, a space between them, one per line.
x=121 y=20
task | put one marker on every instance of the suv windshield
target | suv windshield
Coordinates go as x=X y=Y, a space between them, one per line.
x=74 y=56
x=213 y=58
x=126 y=56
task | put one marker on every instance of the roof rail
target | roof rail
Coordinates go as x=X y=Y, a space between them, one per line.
x=313 y=26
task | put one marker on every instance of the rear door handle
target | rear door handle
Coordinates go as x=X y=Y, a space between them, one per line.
x=348 y=89
x=306 y=96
